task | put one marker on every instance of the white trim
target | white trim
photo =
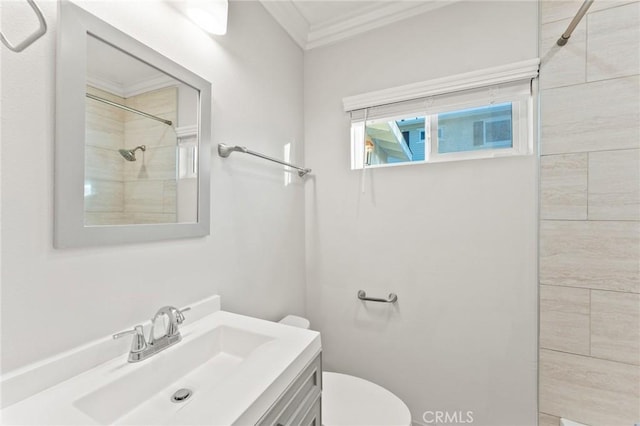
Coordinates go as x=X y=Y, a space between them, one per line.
x=106 y=85
x=321 y=34
x=378 y=16
x=186 y=131
x=118 y=89
x=471 y=80
x=289 y=18
x=145 y=86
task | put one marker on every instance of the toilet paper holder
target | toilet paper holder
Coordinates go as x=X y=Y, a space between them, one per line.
x=392 y=298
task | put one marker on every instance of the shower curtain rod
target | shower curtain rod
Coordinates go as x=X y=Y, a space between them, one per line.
x=226 y=150
x=574 y=23
x=126 y=108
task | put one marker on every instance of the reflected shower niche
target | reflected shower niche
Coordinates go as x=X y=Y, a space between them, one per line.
x=140 y=143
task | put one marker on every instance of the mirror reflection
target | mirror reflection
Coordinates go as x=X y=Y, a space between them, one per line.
x=141 y=142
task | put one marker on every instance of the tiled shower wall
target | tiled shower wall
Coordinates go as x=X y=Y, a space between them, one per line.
x=142 y=191
x=590 y=215
x=150 y=182
x=104 y=190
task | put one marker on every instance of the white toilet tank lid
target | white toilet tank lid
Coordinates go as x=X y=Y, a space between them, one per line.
x=295 y=321
x=352 y=401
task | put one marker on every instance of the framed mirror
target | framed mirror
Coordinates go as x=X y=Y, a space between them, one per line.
x=132 y=139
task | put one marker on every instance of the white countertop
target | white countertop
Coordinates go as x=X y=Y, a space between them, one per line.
x=237 y=398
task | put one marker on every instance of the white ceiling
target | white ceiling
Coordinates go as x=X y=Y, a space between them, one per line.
x=317 y=12
x=119 y=73
x=314 y=23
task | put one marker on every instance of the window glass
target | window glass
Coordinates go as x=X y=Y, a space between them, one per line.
x=459 y=126
x=395 y=141
x=485 y=127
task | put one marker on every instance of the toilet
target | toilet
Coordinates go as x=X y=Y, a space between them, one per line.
x=352 y=401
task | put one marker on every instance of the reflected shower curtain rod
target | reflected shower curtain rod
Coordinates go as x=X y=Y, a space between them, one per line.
x=126 y=108
x=574 y=22
x=226 y=150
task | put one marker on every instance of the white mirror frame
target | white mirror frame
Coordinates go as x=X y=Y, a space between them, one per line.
x=74 y=26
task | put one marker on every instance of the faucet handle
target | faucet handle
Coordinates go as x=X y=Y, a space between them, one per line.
x=172 y=329
x=138 y=344
x=180 y=316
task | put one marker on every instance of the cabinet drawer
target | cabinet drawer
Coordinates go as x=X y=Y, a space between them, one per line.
x=313 y=417
x=298 y=397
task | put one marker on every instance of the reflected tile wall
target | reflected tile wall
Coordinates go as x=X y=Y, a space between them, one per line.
x=104 y=200
x=150 y=182
x=119 y=191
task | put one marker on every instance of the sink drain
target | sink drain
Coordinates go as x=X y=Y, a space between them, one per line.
x=181 y=395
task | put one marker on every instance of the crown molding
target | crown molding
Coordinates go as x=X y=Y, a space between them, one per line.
x=375 y=17
x=289 y=18
x=118 y=89
x=378 y=15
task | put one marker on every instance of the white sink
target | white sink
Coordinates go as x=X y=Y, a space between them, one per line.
x=236 y=367
x=194 y=363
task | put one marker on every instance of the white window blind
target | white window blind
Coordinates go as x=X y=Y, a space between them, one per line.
x=525 y=70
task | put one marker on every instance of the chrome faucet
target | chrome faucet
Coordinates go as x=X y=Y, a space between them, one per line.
x=142 y=348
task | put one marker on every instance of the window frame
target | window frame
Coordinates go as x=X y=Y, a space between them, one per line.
x=513 y=83
x=521 y=133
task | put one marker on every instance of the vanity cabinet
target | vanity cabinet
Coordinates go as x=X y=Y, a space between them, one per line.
x=301 y=403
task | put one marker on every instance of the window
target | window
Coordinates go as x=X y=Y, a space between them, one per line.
x=485 y=127
x=483 y=121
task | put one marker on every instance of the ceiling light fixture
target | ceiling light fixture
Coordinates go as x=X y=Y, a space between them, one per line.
x=210 y=15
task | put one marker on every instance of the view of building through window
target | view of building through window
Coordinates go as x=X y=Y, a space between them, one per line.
x=417 y=138
x=485 y=127
x=395 y=141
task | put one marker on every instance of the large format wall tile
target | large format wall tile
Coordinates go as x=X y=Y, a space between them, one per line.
x=564 y=319
x=563 y=186
x=95 y=219
x=169 y=200
x=599 y=255
x=104 y=123
x=161 y=102
x=142 y=131
x=154 y=163
x=589 y=390
x=145 y=196
x=105 y=164
x=613 y=42
x=547 y=420
x=153 y=218
x=614 y=185
x=554 y=10
x=566 y=65
x=596 y=116
x=103 y=196
x=615 y=326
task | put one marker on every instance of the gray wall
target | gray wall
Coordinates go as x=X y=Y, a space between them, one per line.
x=456 y=241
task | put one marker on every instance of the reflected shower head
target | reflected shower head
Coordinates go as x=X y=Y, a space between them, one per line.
x=130 y=154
